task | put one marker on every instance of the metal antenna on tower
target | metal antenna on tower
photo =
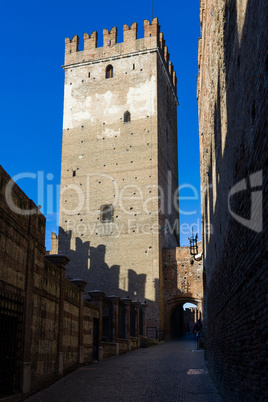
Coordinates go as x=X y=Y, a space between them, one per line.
x=152 y=10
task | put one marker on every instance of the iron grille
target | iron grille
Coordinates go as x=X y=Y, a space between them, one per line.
x=11 y=341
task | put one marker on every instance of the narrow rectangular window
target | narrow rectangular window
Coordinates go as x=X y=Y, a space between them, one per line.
x=107 y=212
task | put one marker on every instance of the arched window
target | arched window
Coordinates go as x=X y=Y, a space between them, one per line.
x=109 y=71
x=107 y=213
x=127 y=117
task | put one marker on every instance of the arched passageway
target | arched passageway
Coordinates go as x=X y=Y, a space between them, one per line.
x=177 y=322
x=182 y=318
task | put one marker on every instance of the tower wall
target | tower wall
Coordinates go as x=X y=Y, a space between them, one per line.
x=106 y=161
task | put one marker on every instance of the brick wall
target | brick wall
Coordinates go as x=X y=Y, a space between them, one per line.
x=57 y=326
x=232 y=95
x=107 y=161
x=182 y=282
x=56 y=341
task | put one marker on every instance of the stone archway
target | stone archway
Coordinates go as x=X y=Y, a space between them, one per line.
x=175 y=316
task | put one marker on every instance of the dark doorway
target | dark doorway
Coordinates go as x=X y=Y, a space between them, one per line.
x=107 y=322
x=176 y=322
x=121 y=321
x=132 y=321
x=8 y=354
x=11 y=344
x=95 y=339
x=141 y=322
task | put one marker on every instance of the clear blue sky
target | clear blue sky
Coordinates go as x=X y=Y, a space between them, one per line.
x=32 y=52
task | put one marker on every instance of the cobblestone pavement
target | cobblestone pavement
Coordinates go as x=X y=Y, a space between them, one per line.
x=172 y=371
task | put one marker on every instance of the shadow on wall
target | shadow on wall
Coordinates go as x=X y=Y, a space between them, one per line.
x=243 y=151
x=235 y=251
x=88 y=263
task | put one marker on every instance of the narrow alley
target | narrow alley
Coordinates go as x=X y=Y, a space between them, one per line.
x=172 y=371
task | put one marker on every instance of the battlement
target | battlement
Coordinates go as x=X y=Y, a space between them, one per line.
x=153 y=39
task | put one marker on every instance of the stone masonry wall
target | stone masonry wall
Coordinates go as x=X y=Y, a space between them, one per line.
x=57 y=332
x=232 y=95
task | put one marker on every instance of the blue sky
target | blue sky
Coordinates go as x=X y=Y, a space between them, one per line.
x=32 y=53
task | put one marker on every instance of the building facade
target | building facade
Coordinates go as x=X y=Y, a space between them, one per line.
x=232 y=95
x=119 y=164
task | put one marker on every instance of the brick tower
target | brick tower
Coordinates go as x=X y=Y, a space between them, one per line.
x=119 y=164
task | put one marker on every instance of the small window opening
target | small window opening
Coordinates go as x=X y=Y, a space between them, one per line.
x=74 y=173
x=107 y=213
x=133 y=66
x=88 y=75
x=109 y=71
x=127 y=117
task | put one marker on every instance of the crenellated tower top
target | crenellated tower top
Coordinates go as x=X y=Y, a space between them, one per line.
x=153 y=40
